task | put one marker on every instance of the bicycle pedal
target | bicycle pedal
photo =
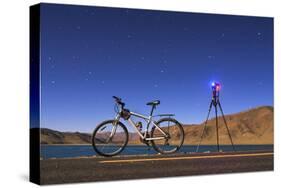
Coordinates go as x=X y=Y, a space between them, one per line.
x=147 y=143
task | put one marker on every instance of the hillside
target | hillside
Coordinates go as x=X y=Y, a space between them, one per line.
x=254 y=126
x=49 y=136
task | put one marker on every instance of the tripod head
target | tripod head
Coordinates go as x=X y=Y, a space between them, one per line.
x=216 y=86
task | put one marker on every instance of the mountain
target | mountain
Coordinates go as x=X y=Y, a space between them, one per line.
x=254 y=126
x=49 y=136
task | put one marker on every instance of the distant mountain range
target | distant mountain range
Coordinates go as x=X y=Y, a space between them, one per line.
x=254 y=126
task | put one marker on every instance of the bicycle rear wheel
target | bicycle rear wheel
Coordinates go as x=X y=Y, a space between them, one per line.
x=174 y=139
x=110 y=139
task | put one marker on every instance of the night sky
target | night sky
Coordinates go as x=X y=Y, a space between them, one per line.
x=89 y=54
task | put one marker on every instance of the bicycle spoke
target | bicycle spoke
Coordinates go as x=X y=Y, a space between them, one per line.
x=110 y=138
x=175 y=135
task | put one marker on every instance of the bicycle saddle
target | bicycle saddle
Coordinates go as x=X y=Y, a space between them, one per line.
x=153 y=103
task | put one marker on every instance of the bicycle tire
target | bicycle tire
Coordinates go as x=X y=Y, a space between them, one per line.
x=181 y=131
x=94 y=144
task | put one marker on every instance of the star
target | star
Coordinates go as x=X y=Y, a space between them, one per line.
x=155 y=85
x=162 y=71
x=222 y=35
x=78 y=27
x=259 y=36
x=75 y=57
x=89 y=74
x=102 y=81
x=49 y=58
x=211 y=57
x=53 y=81
x=260 y=83
x=129 y=36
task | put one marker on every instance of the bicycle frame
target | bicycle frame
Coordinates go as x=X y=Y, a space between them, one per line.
x=148 y=120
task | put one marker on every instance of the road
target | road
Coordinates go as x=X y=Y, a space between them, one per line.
x=86 y=169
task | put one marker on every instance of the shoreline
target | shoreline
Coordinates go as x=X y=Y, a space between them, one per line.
x=86 y=151
x=145 y=145
x=152 y=155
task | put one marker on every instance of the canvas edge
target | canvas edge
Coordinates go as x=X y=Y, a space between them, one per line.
x=34 y=104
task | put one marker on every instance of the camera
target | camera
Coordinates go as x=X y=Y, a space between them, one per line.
x=216 y=86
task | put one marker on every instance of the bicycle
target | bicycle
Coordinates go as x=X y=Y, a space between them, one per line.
x=111 y=136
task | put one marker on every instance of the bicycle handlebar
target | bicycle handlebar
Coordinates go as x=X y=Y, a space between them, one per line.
x=119 y=101
x=116 y=98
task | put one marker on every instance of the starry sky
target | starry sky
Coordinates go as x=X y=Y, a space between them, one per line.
x=89 y=54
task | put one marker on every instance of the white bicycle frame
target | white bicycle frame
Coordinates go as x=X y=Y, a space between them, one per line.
x=148 y=119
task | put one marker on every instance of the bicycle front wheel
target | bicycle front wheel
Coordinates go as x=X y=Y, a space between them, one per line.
x=110 y=138
x=174 y=136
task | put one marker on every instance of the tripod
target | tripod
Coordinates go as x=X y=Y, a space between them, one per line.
x=215 y=102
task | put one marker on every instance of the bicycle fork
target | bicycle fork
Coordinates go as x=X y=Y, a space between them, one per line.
x=114 y=128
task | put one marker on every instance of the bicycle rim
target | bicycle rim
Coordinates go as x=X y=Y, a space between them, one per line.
x=176 y=136
x=109 y=139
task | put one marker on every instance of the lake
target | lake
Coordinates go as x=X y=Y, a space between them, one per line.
x=61 y=151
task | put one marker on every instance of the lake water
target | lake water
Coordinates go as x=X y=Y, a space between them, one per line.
x=59 y=151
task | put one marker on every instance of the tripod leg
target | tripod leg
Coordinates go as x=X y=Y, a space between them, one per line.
x=229 y=135
x=217 y=127
x=197 y=149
